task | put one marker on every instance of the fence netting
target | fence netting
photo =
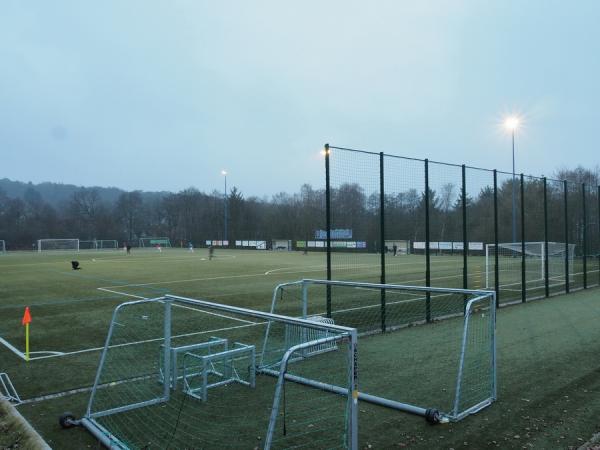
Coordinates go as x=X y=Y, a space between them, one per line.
x=417 y=222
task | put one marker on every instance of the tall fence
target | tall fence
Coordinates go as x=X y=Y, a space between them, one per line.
x=423 y=222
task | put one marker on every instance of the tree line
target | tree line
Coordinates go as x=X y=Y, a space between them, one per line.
x=194 y=216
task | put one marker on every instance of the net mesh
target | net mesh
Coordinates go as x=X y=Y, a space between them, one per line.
x=231 y=372
x=415 y=361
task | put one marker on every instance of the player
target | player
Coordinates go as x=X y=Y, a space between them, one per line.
x=211 y=252
x=128 y=248
x=159 y=248
x=191 y=247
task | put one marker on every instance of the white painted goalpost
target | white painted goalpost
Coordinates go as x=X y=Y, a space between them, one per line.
x=58 y=244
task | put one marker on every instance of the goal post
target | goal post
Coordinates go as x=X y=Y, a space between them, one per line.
x=58 y=245
x=148 y=242
x=424 y=350
x=224 y=397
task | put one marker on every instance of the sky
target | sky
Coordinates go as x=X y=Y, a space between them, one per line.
x=164 y=95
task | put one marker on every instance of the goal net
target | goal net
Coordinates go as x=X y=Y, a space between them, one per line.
x=184 y=373
x=510 y=256
x=426 y=351
x=98 y=244
x=155 y=241
x=282 y=244
x=58 y=244
x=402 y=247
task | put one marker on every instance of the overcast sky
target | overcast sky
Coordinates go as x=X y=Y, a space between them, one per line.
x=163 y=95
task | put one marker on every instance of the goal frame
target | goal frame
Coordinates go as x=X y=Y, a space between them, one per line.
x=41 y=241
x=337 y=334
x=517 y=248
x=281 y=245
x=432 y=415
x=164 y=242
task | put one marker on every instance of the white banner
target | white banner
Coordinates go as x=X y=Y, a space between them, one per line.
x=419 y=245
x=445 y=245
x=457 y=245
x=475 y=245
x=261 y=245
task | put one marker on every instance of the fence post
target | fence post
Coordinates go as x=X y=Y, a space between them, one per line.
x=328 y=226
x=427 y=250
x=546 y=258
x=565 y=191
x=465 y=237
x=496 y=269
x=464 y=232
x=382 y=235
x=523 y=273
x=167 y=351
x=584 y=237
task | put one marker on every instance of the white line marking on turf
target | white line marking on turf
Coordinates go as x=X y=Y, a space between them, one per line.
x=122 y=293
x=95 y=349
x=13 y=349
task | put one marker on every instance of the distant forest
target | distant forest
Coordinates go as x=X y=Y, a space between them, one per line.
x=50 y=210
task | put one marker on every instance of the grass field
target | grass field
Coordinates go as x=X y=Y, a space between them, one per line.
x=548 y=351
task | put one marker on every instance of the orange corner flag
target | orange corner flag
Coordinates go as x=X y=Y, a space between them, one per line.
x=26 y=316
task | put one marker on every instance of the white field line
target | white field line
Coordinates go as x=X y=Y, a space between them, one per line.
x=52 y=354
x=95 y=349
x=387 y=303
x=122 y=259
x=13 y=349
x=121 y=293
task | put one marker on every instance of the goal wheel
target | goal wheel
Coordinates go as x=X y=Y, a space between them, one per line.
x=67 y=420
x=432 y=416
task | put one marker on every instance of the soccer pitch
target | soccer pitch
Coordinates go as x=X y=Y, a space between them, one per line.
x=547 y=350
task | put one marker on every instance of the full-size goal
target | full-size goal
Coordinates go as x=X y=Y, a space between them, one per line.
x=148 y=242
x=282 y=244
x=58 y=244
x=540 y=264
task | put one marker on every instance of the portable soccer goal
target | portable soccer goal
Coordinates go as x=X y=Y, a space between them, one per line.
x=155 y=241
x=58 y=244
x=426 y=351
x=402 y=246
x=184 y=373
x=510 y=262
x=282 y=244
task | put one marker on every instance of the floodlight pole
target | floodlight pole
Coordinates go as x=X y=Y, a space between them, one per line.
x=514 y=214
x=226 y=207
